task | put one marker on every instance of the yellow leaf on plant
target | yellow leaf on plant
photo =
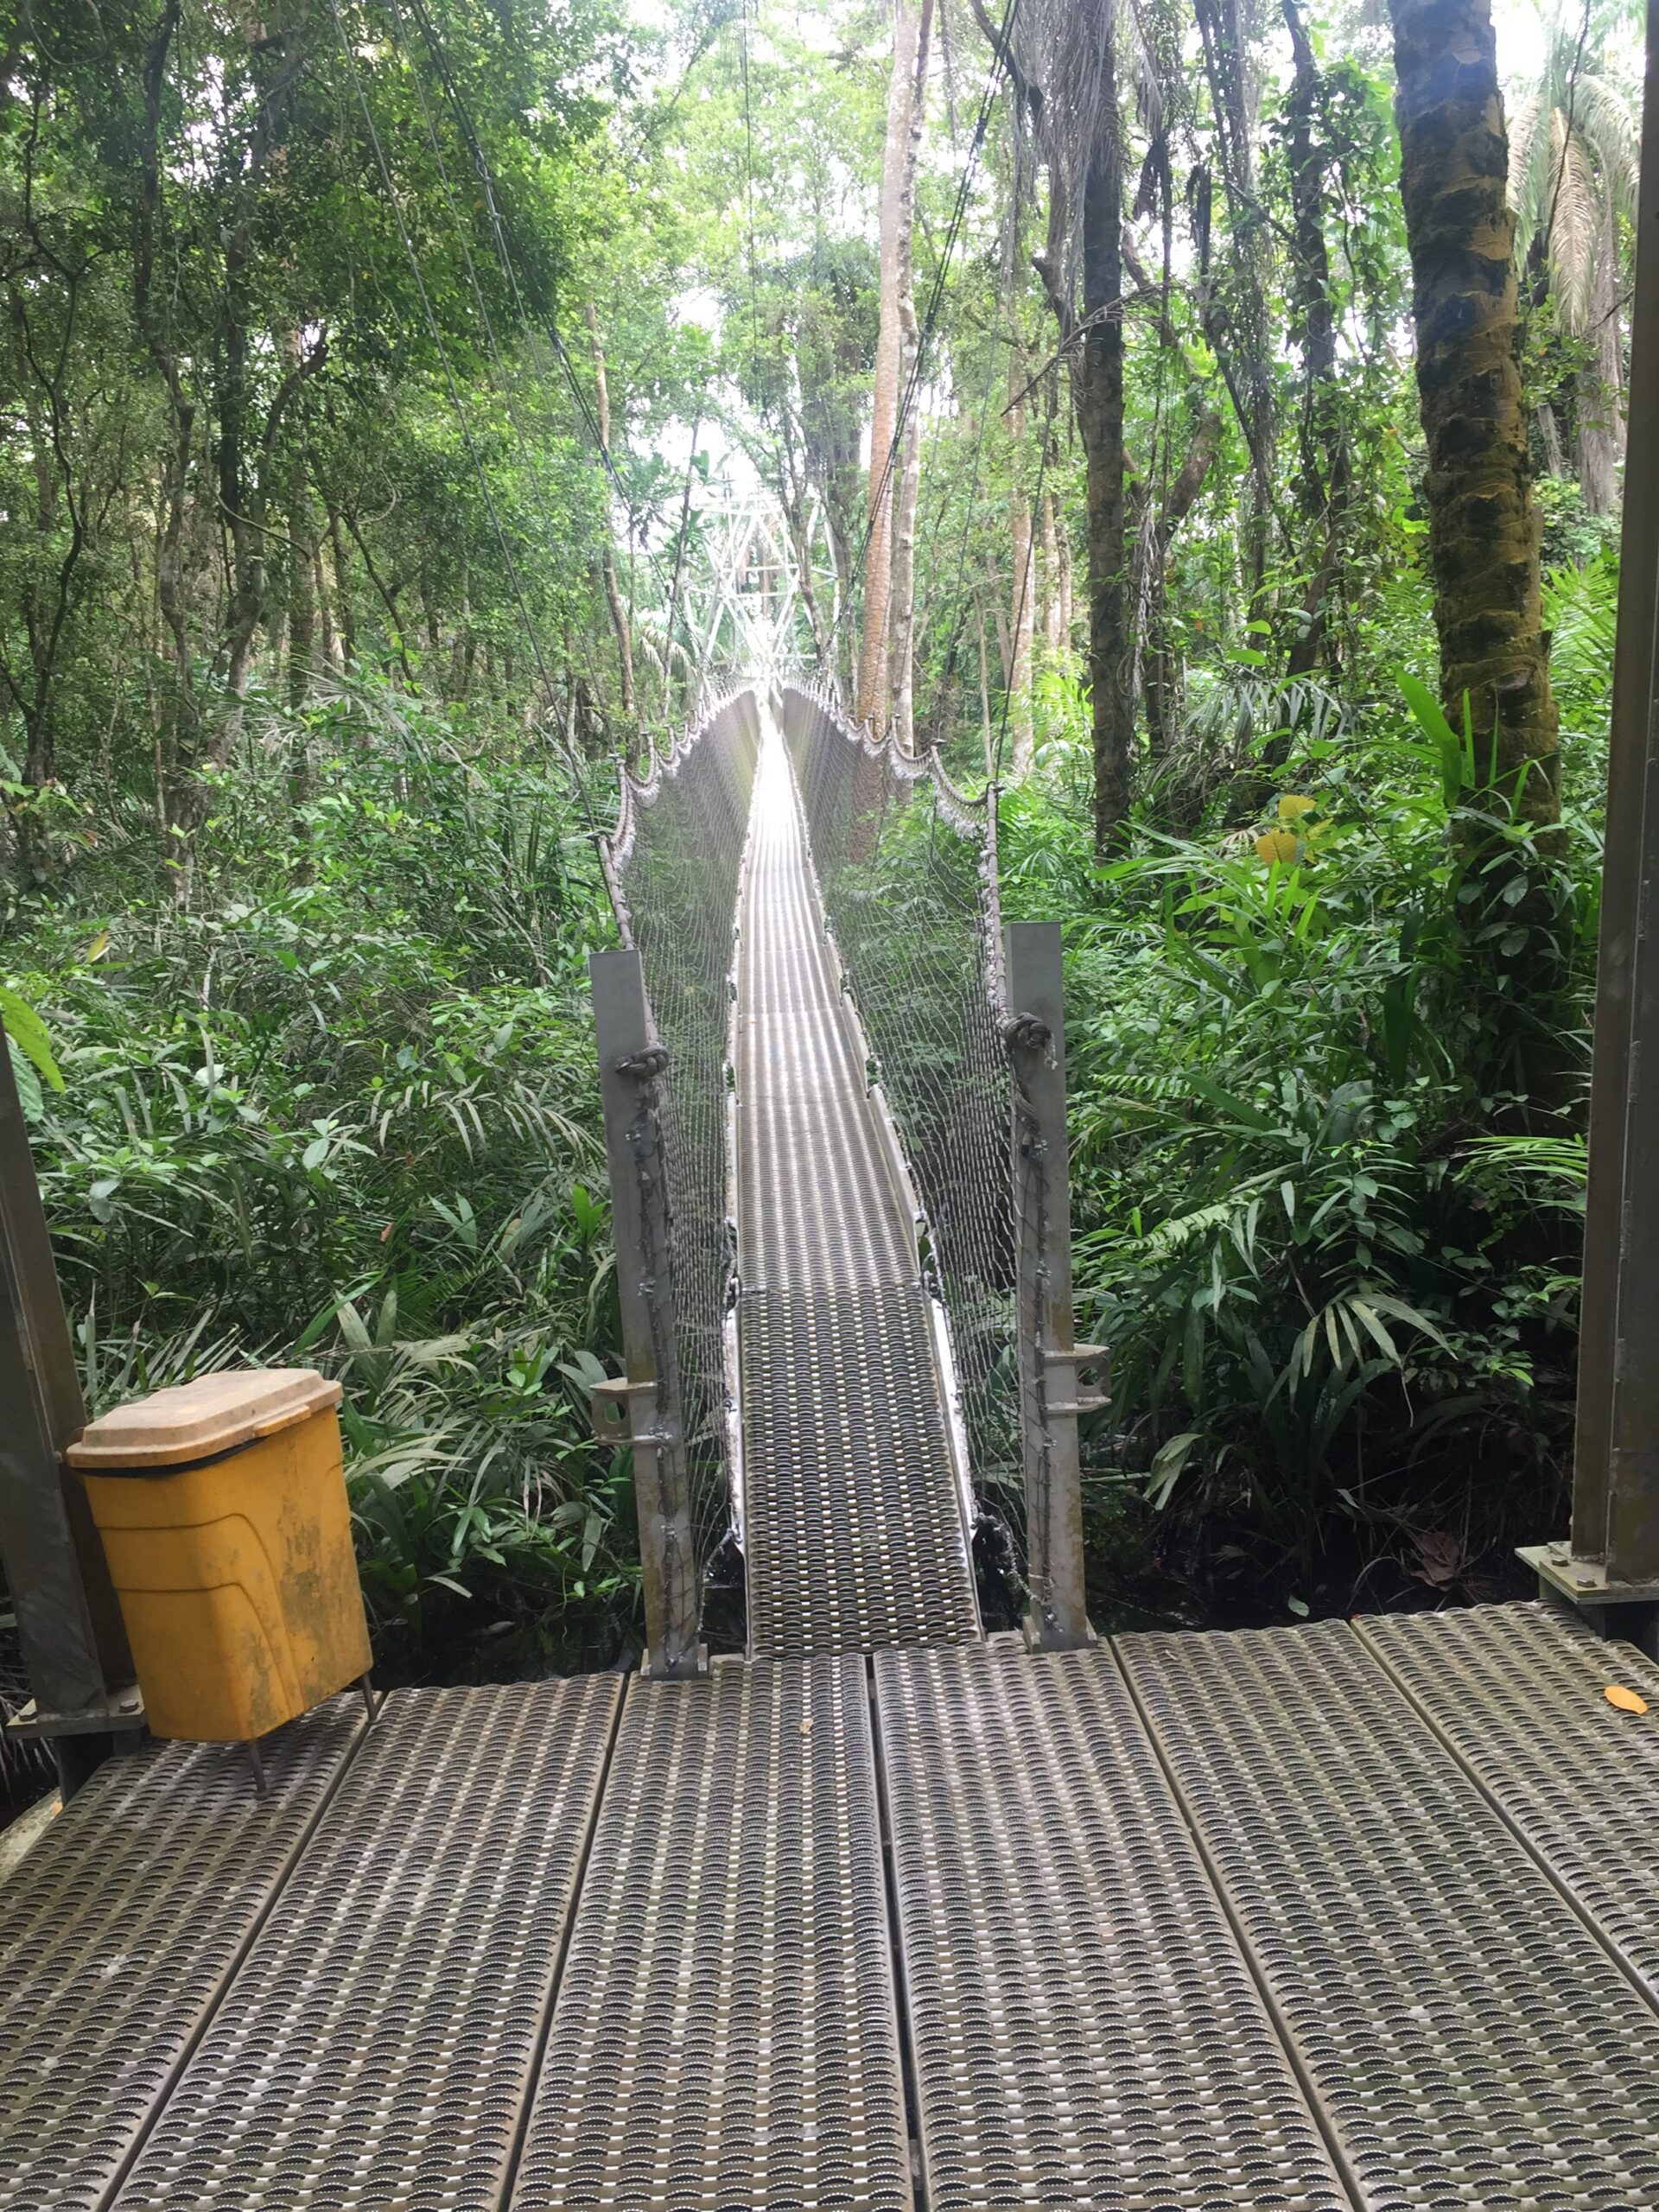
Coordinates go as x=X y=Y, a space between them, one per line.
x=100 y=946
x=1626 y=1700
x=1276 y=845
x=1292 y=806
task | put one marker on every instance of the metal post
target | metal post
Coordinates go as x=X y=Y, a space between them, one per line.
x=1612 y=1562
x=68 y=1619
x=645 y=1406
x=1052 y=1362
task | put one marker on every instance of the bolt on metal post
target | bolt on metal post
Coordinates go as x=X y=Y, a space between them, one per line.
x=644 y=1408
x=1053 y=1364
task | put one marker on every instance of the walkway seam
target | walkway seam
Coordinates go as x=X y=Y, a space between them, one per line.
x=533 y=2073
x=1568 y=1896
x=1288 y=2043
x=919 y=2181
x=210 y=2011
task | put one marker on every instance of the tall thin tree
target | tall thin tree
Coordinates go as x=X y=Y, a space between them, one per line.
x=897 y=206
x=1484 y=529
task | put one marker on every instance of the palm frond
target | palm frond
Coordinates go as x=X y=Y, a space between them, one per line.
x=1604 y=119
x=1527 y=170
x=1575 y=228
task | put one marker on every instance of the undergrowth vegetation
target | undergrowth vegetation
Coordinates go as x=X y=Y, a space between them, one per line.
x=343 y=1111
x=1328 y=1176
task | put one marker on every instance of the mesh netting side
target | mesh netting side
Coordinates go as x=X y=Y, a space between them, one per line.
x=907 y=867
x=674 y=866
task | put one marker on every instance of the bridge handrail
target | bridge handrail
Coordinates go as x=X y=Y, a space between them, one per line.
x=662 y=1011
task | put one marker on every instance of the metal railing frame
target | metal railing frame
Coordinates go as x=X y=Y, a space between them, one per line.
x=645 y=1407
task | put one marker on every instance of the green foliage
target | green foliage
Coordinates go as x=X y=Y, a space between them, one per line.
x=342 y=1110
x=1338 y=1273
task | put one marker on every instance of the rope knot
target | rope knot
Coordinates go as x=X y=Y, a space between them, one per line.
x=1025 y=1033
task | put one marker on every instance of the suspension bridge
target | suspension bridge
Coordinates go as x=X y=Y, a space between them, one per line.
x=928 y=1897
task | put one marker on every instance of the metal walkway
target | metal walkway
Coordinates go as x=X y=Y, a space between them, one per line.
x=854 y=1502
x=1351 y=1918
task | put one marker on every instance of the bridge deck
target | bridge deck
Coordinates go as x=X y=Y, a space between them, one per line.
x=854 y=1533
x=1344 y=1916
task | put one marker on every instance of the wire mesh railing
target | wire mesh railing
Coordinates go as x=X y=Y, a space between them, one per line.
x=906 y=865
x=672 y=866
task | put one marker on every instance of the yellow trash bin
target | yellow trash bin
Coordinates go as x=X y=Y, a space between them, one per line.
x=222 y=1508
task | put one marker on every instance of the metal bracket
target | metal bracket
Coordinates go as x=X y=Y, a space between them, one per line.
x=1584 y=1581
x=120 y=1711
x=1078 y=1362
x=1610 y=1606
x=610 y=1409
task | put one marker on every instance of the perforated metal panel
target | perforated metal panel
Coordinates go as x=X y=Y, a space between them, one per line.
x=377 y=2047
x=1518 y=1693
x=819 y=1209
x=119 y=1931
x=724 y=2034
x=1469 y=2042
x=1084 y=2028
x=852 y=1522
x=854 y=1531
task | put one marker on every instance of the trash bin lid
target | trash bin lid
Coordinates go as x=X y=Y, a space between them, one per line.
x=199 y=1419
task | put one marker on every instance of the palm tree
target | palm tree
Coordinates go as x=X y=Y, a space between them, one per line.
x=1573 y=173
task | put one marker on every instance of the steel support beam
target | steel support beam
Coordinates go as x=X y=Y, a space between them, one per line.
x=1053 y=1364
x=68 y=1620
x=645 y=1409
x=1614 y=1554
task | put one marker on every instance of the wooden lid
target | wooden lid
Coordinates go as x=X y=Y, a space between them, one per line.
x=196 y=1420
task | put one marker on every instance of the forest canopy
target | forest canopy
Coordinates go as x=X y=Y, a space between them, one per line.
x=417 y=408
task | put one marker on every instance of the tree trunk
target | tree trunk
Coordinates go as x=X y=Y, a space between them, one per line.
x=1483 y=532
x=908 y=484
x=342 y=570
x=1240 y=329
x=871 y=701
x=606 y=549
x=1601 y=425
x=1022 y=596
x=1054 y=610
x=1162 y=680
x=1323 y=476
x=679 y=562
x=1549 y=437
x=984 y=691
x=1100 y=420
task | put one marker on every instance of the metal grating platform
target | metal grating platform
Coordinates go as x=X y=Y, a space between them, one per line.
x=117 y=1933
x=838 y=1417
x=725 y=2035
x=1212 y=1923
x=1086 y=2030
x=1517 y=1691
x=854 y=1528
x=818 y=1206
x=378 y=2046
x=1469 y=2042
